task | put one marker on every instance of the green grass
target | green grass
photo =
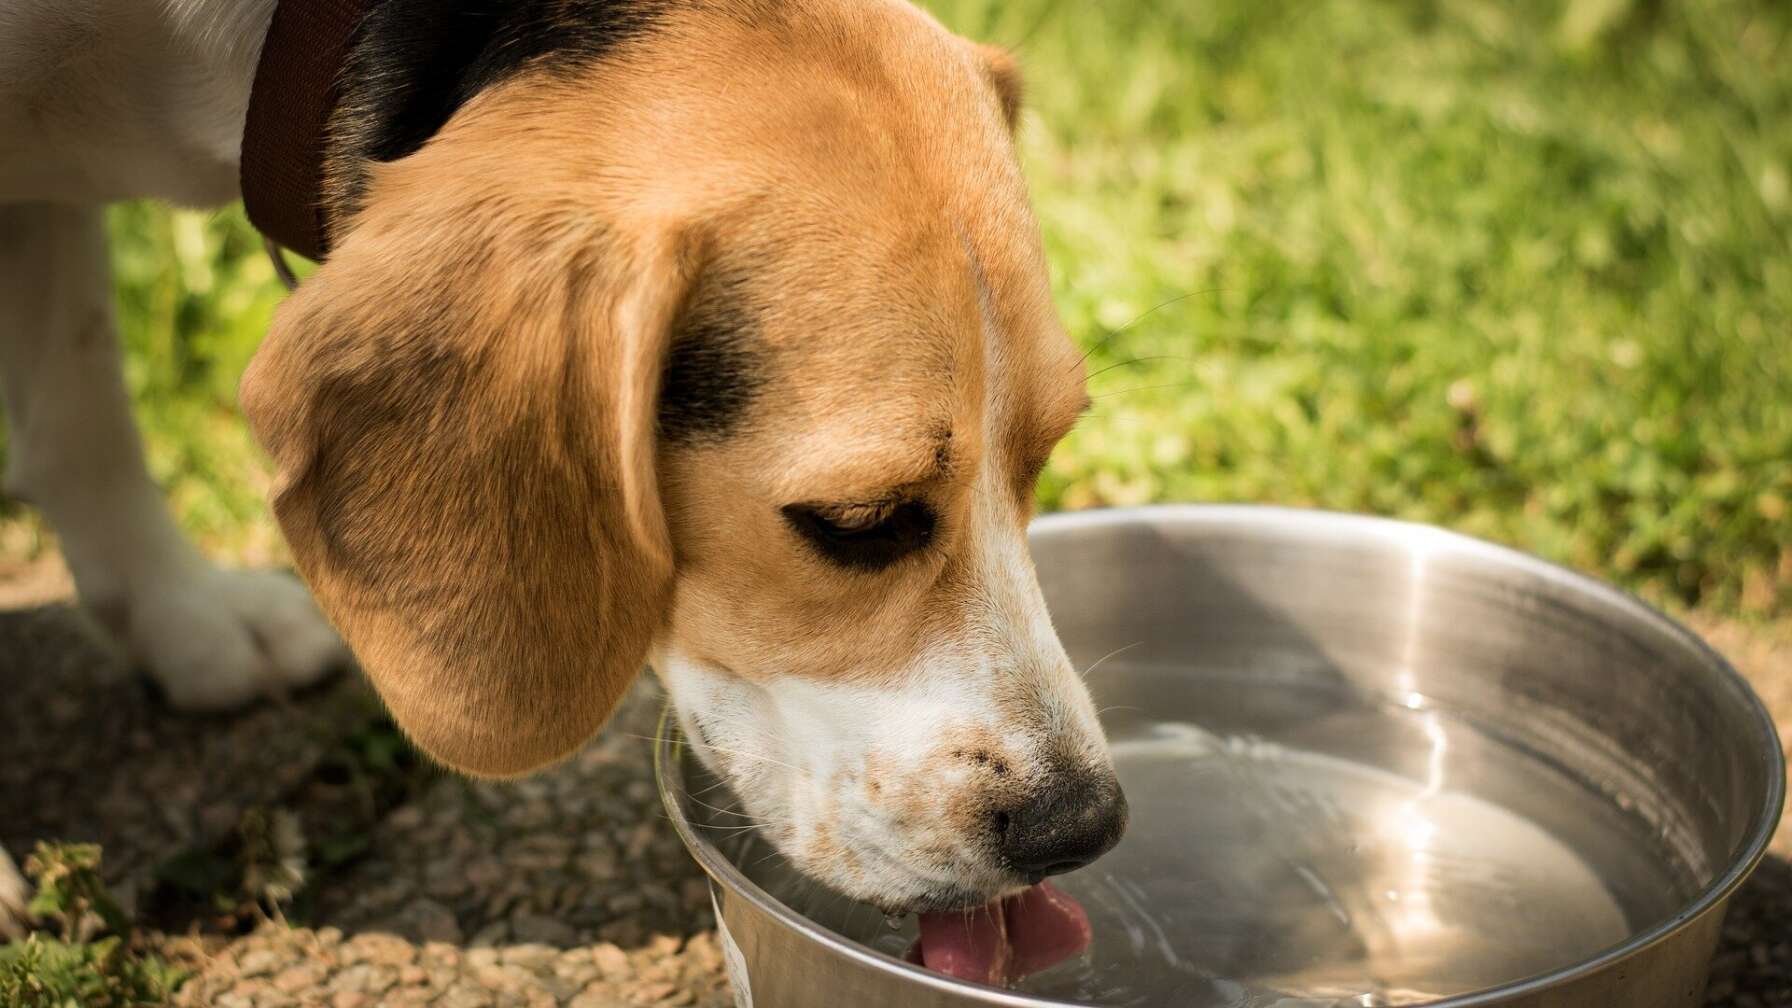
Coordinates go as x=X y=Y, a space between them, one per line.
x=1519 y=268
x=94 y=961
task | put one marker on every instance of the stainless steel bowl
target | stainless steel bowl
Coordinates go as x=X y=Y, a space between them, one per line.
x=1369 y=763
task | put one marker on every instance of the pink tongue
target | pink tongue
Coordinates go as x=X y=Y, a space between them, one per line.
x=967 y=944
x=1001 y=942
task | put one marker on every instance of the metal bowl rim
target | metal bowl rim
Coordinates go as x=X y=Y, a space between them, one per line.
x=1272 y=517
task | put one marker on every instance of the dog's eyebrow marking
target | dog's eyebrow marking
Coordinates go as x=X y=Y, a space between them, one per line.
x=713 y=368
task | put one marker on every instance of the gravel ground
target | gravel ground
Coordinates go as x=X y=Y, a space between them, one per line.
x=569 y=888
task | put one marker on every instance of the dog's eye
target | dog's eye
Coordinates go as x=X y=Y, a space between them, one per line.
x=865 y=537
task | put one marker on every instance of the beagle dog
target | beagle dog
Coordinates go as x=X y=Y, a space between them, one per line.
x=711 y=335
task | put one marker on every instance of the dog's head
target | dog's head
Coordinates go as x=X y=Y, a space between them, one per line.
x=733 y=350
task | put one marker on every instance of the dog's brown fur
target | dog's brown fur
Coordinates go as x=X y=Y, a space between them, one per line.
x=461 y=403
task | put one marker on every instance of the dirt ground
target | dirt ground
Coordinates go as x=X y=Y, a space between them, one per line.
x=569 y=888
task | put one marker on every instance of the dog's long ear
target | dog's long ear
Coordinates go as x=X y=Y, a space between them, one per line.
x=460 y=406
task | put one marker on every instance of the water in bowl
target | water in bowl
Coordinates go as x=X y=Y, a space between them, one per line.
x=1355 y=854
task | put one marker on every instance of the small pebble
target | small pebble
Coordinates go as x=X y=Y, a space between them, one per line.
x=612 y=961
x=257 y=962
x=377 y=947
x=298 y=978
x=531 y=956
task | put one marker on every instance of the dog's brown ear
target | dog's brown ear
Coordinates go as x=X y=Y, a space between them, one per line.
x=1004 y=75
x=460 y=406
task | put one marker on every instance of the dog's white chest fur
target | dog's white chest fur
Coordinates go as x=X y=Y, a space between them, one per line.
x=103 y=100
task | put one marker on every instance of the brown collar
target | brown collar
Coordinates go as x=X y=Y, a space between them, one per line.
x=296 y=87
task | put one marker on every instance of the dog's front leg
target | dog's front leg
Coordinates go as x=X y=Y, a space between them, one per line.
x=212 y=639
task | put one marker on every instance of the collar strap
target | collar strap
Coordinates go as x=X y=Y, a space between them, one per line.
x=296 y=87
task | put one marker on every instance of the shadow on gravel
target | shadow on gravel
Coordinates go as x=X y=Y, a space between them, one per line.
x=1753 y=965
x=88 y=753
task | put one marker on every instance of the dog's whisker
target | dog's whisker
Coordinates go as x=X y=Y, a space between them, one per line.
x=712 y=787
x=1139 y=360
x=759 y=820
x=1147 y=388
x=656 y=740
x=731 y=827
x=1105 y=340
x=1117 y=417
x=1084 y=674
x=752 y=820
x=775 y=852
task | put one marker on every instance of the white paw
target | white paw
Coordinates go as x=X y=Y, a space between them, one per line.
x=15 y=892
x=216 y=639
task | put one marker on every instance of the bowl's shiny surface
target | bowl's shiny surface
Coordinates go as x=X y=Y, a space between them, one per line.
x=1369 y=763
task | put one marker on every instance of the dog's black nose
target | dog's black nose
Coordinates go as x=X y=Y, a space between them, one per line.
x=1075 y=820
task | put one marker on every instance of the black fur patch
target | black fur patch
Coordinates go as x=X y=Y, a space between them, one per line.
x=713 y=369
x=414 y=63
